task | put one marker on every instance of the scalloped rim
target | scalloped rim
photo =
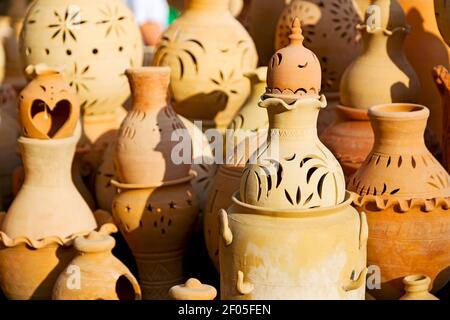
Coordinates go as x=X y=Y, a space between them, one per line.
x=6 y=241
x=403 y=205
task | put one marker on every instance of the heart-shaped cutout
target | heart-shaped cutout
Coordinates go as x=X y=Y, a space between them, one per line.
x=50 y=121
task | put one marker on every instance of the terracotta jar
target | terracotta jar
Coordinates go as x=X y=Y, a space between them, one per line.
x=442 y=79
x=9 y=131
x=251 y=117
x=442 y=12
x=193 y=290
x=95 y=274
x=293 y=189
x=225 y=183
x=425 y=49
x=405 y=193
x=207 y=79
x=383 y=64
x=416 y=288
x=156 y=209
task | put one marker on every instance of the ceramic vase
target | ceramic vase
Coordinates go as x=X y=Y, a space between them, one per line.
x=416 y=288
x=207 y=78
x=442 y=79
x=442 y=13
x=193 y=290
x=101 y=276
x=156 y=207
x=383 y=64
x=425 y=49
x=293 y=189
x=9 y=131
x=405 y=193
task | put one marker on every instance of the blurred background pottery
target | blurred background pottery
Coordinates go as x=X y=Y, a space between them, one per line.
x=207 y=79
x=416 y=288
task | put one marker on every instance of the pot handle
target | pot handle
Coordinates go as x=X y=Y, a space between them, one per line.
x=356 y=284
x=243 y=287
x=363 y=231
x=225 y=230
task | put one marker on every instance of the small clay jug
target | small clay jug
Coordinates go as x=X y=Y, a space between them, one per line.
x=417 y=288
x=207 y=80
x=193 y=290
x=402 y=188
x=95 y=274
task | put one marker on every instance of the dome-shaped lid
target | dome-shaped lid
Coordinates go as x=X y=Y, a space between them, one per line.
x=193 y=290
x=294 y=71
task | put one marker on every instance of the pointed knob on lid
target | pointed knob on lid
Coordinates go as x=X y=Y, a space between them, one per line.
x=296 y=35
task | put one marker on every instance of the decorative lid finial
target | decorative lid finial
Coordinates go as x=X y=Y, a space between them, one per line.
x=296 y=35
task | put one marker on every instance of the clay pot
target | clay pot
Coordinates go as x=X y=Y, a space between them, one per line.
x=442 y=79
x=145 y=136
x=382 y=63
x=101 y=276
x=293 y=189
x=157 y=206
x=225 y=183
x=157 y=224
x=49 y=107
x=251 y=117
x=291 y=265
x=207 y=79
x=425 y=49
x=405 y=193
x=193 y=290
x=68 y=36
x=416 y=288
x=330 y=31
x=9 y=131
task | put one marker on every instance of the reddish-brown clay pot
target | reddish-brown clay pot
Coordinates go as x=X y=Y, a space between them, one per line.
x=405 y=193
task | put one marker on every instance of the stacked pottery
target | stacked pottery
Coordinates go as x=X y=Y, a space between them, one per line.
x=156 y=207
x=9 y=133
x=406 y=195
x=381 y=74
x=207 y=78
x=48 y=212
x=294 y=191
x=66 y=33
x=99 y=275
x=329 y=28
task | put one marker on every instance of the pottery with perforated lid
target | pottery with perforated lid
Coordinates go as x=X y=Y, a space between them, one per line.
x=294 y=170
x=48 y=106
x=209 y=51
x=193 y=290
x=292 y=188
x=102 y=276
x=294 y=71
